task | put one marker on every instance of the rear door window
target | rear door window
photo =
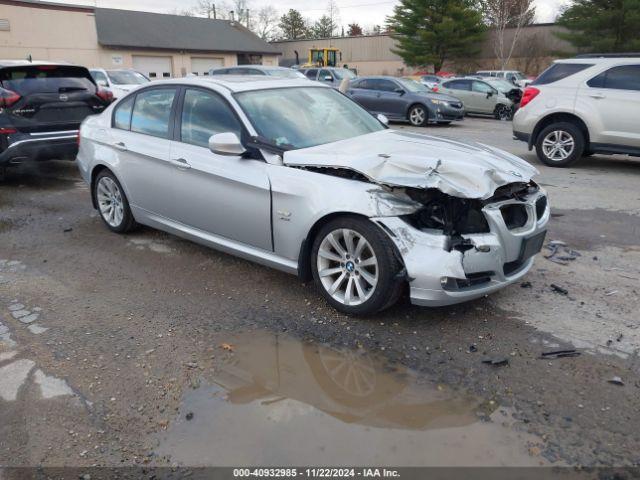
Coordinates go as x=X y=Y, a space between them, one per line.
x=30 y=79
x=312 y=73
x=625 y=77
x=559 y=71
x=152 y=112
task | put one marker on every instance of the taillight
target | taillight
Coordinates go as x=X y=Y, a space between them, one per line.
x=529 y=94
x=105 y=94
x=435 y=89
x=7 y=131
x=8 y=98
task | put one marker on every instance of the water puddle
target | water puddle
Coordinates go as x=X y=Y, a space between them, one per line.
x=280 y=401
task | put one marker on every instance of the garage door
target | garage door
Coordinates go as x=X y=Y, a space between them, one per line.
x=153 y=67
x=201 y=66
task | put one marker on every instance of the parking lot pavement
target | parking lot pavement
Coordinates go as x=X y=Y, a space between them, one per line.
x=143 y=349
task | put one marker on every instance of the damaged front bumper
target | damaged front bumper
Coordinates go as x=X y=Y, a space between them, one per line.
x=441 y=275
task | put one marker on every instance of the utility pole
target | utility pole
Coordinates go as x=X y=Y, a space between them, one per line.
x=233 y=15
x=248 y=27
x=213 y=7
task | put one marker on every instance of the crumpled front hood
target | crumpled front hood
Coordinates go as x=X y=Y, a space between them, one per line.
x=404 y=159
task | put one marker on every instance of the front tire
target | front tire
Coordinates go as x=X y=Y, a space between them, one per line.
x=355 y=267
x=418 y=115
x=560 y=144
x=502 y=112
x=112 y=203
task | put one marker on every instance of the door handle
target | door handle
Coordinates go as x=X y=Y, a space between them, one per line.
x=180 y=163
x=597 y=96
x=120 y=146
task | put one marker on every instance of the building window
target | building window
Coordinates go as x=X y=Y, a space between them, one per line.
x=5 y=26
x=249 y=59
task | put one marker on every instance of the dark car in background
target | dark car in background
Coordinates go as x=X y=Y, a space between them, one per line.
x=41 y=108
x=402 y=99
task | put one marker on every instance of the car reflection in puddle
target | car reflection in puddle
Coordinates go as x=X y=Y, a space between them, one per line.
x=280 y=401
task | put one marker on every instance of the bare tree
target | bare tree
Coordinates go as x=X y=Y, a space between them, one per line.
x=507 y=17
x=206 y=8
x=265 y=23
x=333 y=14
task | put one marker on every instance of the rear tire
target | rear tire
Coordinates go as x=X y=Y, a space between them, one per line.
x=418 y=115
x=112 y=203
x=355 y=266
x=560 y=144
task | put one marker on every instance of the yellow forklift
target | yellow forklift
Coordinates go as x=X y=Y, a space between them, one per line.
x=323 y=57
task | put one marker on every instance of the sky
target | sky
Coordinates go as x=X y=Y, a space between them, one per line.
x=364 y=12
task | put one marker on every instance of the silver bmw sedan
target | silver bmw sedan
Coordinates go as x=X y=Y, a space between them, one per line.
x=298 y=177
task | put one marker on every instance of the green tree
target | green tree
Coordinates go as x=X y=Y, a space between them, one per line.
x=602 y=26
x=430 y=32
x=355 y=30
x=293 y=25
x=324 y=27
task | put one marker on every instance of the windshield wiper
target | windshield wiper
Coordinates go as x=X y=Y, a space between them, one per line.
x=263 y=143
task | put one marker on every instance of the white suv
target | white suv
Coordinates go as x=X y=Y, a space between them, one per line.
x=581 y=106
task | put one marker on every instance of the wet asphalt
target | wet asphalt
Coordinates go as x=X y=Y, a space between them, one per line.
x=128 y=334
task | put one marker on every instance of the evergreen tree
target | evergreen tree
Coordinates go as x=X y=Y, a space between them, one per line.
x=602 y=26
x=430 y=32
x=293 y=25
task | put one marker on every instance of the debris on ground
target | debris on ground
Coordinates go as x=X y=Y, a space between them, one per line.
x=559 y=289
x=497 y=361
x=189 y=416
x=560 y=253
x=616 y=381
x=67 y=230
x=559 y=354
x=227 y=346
x=473 y=348
x=525 y=285
x=619 y=337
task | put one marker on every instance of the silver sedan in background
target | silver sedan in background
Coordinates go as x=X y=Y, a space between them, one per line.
x=297 y=176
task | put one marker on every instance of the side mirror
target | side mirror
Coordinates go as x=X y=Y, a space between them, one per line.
x=328 y=78
x=400 y=91
x=382 y=119
x=489 y=94
x=102 y=83
x=226 y=143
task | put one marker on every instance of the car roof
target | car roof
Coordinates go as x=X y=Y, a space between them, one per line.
x=243 y=83
x=600 y=60
x=256 y=67
x=23 y=63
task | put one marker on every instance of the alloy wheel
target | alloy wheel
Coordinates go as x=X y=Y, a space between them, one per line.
x=503 y=113
x=110 y=201
x=417 y=116
x=558 y=145
x=347 y=267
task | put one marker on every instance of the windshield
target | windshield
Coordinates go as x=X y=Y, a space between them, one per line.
x=285 y=73
x=126 y=77
x=501 y=85
x=411 y=85
x=304 y=117
x=341 y=73
x=519 y=75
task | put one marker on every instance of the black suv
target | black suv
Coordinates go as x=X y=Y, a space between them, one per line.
x=41 y=107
